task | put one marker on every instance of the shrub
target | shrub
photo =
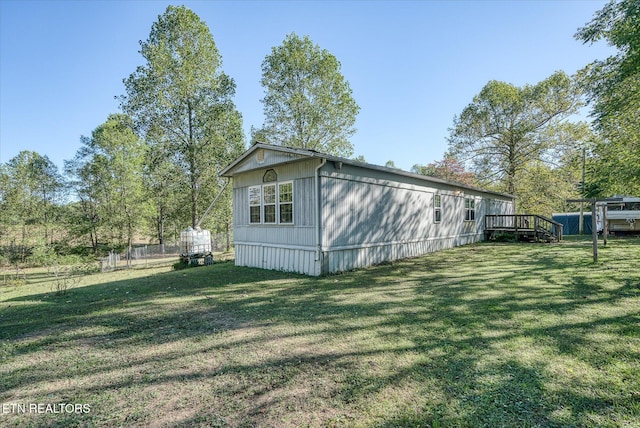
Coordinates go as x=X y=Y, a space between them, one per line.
x=68 y=276
x=505 y=237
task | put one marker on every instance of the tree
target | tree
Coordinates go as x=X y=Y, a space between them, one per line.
x=449 y=169
x=307 y=103
x=545 y=184
x=32 y=192
x=614 y=168
x=613 y=86
x=162 y=179
x=5 y=181
x=182 y=104
x=391 y=164
x=506 y=127
x=108 y=181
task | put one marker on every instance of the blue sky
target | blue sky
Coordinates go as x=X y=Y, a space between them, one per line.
x=412 y=65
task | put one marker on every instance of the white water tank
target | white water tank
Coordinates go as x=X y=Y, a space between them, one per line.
x=195 y=242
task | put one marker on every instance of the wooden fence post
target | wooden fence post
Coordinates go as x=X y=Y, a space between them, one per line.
x=594 y=230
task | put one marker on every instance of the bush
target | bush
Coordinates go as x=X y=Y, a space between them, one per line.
x=180 y=265
x=14 y=279
x=15 y=254
x=68 y=276
x=505 y=237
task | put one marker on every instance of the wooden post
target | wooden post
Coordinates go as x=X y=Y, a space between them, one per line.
x=605 y=225
x=594 y=220
x=581 y=219
x=594 y=230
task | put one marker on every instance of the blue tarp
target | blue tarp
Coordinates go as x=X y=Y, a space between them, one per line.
x=571 y=223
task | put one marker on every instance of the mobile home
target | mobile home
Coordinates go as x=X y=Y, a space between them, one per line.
x=624 y=216
x=303 y=211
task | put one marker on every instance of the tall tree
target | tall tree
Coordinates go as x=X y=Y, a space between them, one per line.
x=307 y=103
x=614 y=92
x=448 y=168
x=614 y=83
x=162 y=179
x=506 y=127
x=5 y=181
x=614 y=167
x=182 y=104
x=107 y=173
x=544 y=185
x=32 y=193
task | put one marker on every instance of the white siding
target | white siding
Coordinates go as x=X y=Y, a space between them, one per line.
x=263 y=256
x=369 y=218
x=286 y=172
x=301 y=232
x=264 y=159
x=339 y=260
x=357 y=213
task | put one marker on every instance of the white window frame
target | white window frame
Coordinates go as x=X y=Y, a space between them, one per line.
x=281 y=203
x=268 y=199
x=253 y=191
x=437 y=208
x=469 y=209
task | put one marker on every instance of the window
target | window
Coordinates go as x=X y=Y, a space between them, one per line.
x=255 y=203
x=285 y=191
x=469 y=209
x=437 y=208
x=271 y=203
x=269 y=200
x=269 y=176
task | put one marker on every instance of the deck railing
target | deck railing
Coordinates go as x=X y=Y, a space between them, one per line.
x=523 y=224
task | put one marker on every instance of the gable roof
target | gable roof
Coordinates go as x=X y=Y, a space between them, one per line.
x=229 y=170
x=309 y=153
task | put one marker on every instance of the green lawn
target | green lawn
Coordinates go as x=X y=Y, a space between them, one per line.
x=485 y=335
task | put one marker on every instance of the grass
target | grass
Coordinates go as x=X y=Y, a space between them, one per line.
x=485 y=335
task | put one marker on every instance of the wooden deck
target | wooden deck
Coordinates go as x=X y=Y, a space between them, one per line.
x=530 y=227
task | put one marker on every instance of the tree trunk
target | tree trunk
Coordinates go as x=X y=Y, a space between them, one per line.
x=94 y=240
x=160 y=224
x=192 y=170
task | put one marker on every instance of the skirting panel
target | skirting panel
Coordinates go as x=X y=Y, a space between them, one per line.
x=296 y=260
x=341 y=260
x=303 y=260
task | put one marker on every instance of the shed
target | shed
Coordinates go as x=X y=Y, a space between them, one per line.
x=302 y=211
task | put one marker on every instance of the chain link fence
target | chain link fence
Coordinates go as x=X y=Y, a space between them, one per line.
x=142 y=256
